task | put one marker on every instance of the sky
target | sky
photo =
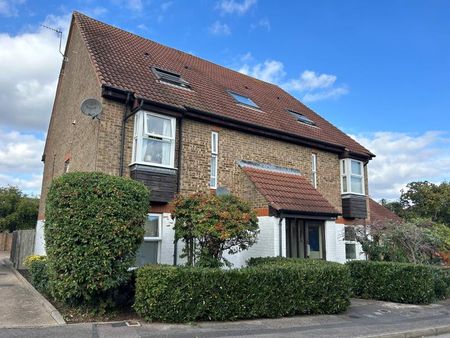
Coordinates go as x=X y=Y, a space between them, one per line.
x=378 y=70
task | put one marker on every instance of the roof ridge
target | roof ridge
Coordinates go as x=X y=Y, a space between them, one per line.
x=269 y=167
x=77 y=13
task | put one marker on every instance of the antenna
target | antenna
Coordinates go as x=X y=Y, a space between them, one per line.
x=60 y=37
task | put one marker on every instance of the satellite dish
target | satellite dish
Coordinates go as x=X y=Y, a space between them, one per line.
x=91 y=107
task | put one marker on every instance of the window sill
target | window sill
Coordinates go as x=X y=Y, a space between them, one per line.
x=349 y=194
x=152 y=165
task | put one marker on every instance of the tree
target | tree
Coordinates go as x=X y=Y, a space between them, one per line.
x=427 y=200
x=415 y=241
x=395 y=206
x=211 y=225
x=17 y=211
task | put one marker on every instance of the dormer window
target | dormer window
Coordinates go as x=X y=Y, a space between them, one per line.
x=301 y=118
x=246 y=101
x=170 y=77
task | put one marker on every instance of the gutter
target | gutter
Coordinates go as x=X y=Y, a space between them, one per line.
x=119 y=94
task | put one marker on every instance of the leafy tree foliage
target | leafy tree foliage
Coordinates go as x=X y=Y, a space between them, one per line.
x=211 y=225
x=415 y=241
x=427 y=200
x=17 y=211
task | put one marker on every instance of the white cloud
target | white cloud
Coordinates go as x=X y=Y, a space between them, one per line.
x=30 y=66
x=218 y=28
x=10 y=7
x=263 y=23
x=135 y=5
x=403 y=158
x=269 y=71
x=232 y=6
x=310 y=85
x=20 y=160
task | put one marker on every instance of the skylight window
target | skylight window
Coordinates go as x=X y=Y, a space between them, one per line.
x=243 y=100
x=169 y=77
x=301 y=118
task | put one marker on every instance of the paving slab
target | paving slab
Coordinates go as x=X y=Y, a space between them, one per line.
x=20 y=304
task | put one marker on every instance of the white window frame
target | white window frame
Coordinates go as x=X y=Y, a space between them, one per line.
x=314 y=170
x=352 y=242
x=214 y=157
x=346 y=171
x=156 y=239
x=140 y=132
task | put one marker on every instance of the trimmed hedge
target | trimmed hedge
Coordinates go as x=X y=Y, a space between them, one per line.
x=182 y=294
x=93 y=228
x=399 y=282
x=38 y=269
x=282 y=261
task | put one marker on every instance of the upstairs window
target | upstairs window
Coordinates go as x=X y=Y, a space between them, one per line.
x=243 y=100
x=301 y=118
x=169 y=77
x=214 y=160
x=352 y=176
x=154 y=139
x=314 y=170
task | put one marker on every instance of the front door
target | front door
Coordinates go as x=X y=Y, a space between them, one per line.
x=305 y=238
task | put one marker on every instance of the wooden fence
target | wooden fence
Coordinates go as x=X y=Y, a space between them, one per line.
x=22 y=246
x=5 y=241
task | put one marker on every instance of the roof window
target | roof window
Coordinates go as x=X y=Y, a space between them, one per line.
x=301 y=118
x=243 y=100
x=169 y=77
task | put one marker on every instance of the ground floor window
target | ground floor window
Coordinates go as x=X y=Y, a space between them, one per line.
x=350 y=242
x=148 y=252
x=305 y=238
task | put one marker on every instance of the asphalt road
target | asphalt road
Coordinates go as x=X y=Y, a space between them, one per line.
x=365 y=318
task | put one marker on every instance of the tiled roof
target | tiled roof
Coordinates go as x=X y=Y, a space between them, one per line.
x=378 y=213
x=124 y=60
x=288 y=191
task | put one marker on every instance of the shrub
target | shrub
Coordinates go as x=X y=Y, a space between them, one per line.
x=37 y=266
x=182 y=294
x=211 y=225
x=398 y=282
x=93 y=229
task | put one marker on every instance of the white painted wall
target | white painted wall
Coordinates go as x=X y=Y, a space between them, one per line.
x=267 y=244
x=39 y=240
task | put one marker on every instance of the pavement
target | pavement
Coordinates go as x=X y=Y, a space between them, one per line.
x=20 y=304
x=25 y=313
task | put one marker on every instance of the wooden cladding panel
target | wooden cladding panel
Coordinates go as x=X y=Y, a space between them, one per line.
x=161 y=182
x=354 y=206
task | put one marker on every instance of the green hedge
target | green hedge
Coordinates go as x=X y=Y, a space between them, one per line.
x=93 y=228
x=181 y=294
x=37 y=267
x=399 y=282
x=282 y=261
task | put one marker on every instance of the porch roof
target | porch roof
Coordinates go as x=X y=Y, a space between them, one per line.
x=287 y=190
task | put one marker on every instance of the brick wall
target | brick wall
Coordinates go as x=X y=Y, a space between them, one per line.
x=235 y=146
x=71 y=134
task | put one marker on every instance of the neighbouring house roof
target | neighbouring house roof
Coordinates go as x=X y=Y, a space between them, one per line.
x=287 y=190
x=123 y=60
x=378 y=213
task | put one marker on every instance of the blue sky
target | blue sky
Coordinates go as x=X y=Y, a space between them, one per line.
x=378 y=70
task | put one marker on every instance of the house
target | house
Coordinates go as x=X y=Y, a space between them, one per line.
x=182 y=124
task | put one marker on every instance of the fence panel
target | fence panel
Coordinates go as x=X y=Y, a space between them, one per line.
x=22 y=246
x=5 y=241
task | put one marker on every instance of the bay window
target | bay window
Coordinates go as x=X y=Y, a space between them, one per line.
x=154 y=139
x=352 y=176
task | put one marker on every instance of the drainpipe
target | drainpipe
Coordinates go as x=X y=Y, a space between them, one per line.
x=180 y=149
x=280 y=227
x=122 y=133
